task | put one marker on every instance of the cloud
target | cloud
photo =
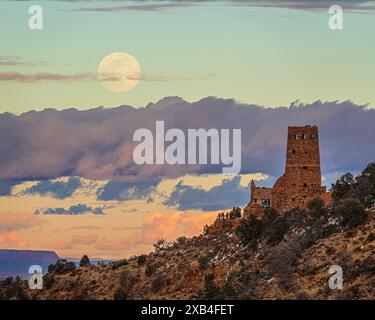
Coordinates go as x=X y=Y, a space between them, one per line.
x=73 y=242
x=55 y=77
x=169 y=78
x=14 y=61
x=86 y=227
x=56 y=189
x=97 y=143
x=45 y=76
x=150 y=6
x=11 y=240
x=84 y=239
x=348 y=5
x=74 y=210
x=124 y=190
x=6 y=187
x=10 y=222
x=60 y=245
x=162 y=5
x=160 y=225
x=227 y=195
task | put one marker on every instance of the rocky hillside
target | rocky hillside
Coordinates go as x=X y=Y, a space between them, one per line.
x=220 y=265
x=274 y=256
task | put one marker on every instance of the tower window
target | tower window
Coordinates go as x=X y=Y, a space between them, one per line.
x=294 y=151
x=312 y=136
x=266 y=202
x=305 y=185
x=305 y=167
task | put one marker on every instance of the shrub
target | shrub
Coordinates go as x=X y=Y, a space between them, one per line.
x=228 y=290
x=295 y=216
x=368 y=265
x=330 y=251
x=250 y=229
x=361 y=188
x=48 y=281
x=159 y=244
x=61 y=266
x=205 y=230
x=210 y=290
x=277 y=230
x=119 y=264
x=270 y=214
x=281 y=261
x=181 y=240
x=370 y=238
x=252 y=245
x=342 y=187
x=315 y=204
x=157 y=284
x=150 y=270
x=352 y=212
x=13 y=289
x=120 y=294
x=85 y=261
x=307 y=241
x=203 y=263
x=141 y=260
x=316 y=207
x=128 y=280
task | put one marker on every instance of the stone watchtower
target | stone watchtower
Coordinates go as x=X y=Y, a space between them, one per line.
x=301 y=180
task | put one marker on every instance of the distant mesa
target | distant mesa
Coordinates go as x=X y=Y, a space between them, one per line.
x=17 y=262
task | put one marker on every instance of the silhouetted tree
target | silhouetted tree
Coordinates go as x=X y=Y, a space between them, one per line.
x=85 y=261
x=250 y=229
x=342 y=187
x=61 y=266
x=352 y=211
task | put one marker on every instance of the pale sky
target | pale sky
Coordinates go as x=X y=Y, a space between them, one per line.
x=266 y=56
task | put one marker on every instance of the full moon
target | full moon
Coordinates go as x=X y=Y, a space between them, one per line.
x=119 y=72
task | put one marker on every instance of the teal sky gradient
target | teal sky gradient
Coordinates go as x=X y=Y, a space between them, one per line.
x=265 y=56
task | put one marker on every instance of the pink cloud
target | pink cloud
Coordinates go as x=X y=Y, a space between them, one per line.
x=17 y=221
x=161 y=225
x=11 y=240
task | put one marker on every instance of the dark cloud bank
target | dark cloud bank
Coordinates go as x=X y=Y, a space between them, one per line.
x=59 y=190
x=97 y=144
x=229 y=194
x=78 y=209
